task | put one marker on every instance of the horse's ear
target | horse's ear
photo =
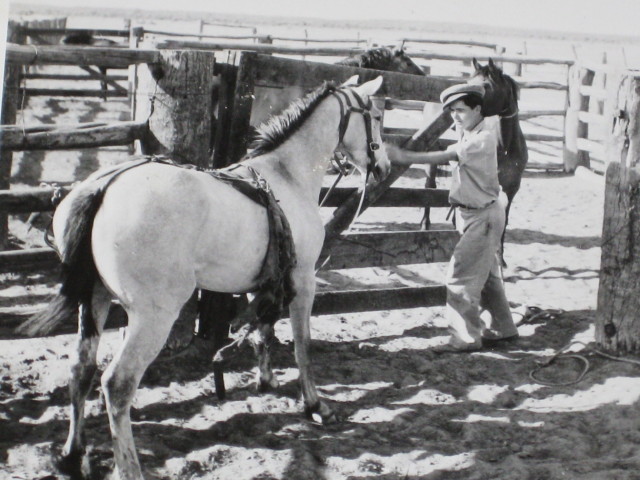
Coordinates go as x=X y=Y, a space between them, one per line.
x=491 y=64
x=476 y=65
x=371 y=87
x=351 y=82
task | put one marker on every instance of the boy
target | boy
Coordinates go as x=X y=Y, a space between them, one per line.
x=474 y=277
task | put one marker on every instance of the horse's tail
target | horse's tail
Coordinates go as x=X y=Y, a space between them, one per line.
x=78 y=270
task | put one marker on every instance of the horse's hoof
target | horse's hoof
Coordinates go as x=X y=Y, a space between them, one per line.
x=265 y=386
x=321 y=414
x=75 y=464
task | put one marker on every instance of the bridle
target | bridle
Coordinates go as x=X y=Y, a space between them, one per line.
x=346 y=109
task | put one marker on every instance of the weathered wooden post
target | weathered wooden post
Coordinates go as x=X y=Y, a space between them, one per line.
x=576 y=128
x=175 y=96
x=11 y=88
x=617 y=320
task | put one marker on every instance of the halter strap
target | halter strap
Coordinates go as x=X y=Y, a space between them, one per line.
x=346 y=108
x=510 y=115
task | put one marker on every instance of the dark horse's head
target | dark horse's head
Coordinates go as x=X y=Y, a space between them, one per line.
x=86 y=37
x=388 y=59
x=501 y=91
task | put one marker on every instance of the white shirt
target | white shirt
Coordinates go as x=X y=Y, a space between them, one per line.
x=474 y=179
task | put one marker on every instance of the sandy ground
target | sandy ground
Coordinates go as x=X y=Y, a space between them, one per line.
x=406 y=413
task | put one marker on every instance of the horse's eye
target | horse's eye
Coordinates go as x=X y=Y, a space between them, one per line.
x=377 y=118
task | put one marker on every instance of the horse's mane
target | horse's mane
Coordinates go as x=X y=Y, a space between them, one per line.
x=376 y=58
x=273 y=133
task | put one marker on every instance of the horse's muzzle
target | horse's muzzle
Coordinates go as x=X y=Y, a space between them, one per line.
x=381 y=171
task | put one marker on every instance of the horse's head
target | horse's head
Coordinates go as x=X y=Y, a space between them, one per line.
x=501 y=91
x=360 y=128
x=401 y=62
x=388 y=59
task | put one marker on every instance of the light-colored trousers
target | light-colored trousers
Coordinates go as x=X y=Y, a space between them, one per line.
x=474 y=277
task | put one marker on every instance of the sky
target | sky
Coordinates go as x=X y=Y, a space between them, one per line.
x=584 y=16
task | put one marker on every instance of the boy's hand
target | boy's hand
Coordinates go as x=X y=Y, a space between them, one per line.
x=394 y=153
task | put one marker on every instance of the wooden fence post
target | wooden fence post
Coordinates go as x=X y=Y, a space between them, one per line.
x=575 y=128
x=11 y=88
x=240 y=126
x=176 y=97
x=617 y=321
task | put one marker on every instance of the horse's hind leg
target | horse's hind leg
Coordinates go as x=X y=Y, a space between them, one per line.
x=262 y=339
x=83 y=370
x=146 y=334
x=103 y=83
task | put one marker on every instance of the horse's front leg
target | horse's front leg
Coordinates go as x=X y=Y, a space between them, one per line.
x=300 y=312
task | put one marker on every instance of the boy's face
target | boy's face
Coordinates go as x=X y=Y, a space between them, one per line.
x=465 y=117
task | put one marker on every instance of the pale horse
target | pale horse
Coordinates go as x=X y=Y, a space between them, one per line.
x=148 y=233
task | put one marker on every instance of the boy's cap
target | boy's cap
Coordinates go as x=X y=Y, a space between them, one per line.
x=456 y=92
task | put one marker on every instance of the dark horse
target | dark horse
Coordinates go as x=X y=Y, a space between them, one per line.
x=85 y=37
x=389 y=59
x=501 y=99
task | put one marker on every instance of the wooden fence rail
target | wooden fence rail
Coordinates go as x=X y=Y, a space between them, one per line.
x=38 y=199
x=338 y=51
x=104 y=32
x=66 y=138
x=72 y=55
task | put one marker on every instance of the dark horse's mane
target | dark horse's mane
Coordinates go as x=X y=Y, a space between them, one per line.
x=376 y=58
x=273 y=133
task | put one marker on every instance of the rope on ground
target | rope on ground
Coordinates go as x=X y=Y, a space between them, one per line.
x=582 y=358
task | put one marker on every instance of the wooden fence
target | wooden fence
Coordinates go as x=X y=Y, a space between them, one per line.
x=237 y=83
x=350 y=251
x=592 y=108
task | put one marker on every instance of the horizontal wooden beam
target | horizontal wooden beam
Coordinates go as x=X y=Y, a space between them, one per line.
x=541 y=137
x=260 y=48
x=591 y=146
x=483 y=57
x=58 y=76
x=74 y=55
x=380 y=249
x=522 y=83
x=525 y=115
x=29 y=259
x=326 y=303
x=122 y=133
x=338 y=51
x=71 y=92
x=393 y=197
x=28 y=200
x=97 y=32
x=593 y=92
x=591 y=117
x=282 y=72
x=392 y=104
x=441 y=41
x=351 y=301
x=545 y=85
x=39 y=199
